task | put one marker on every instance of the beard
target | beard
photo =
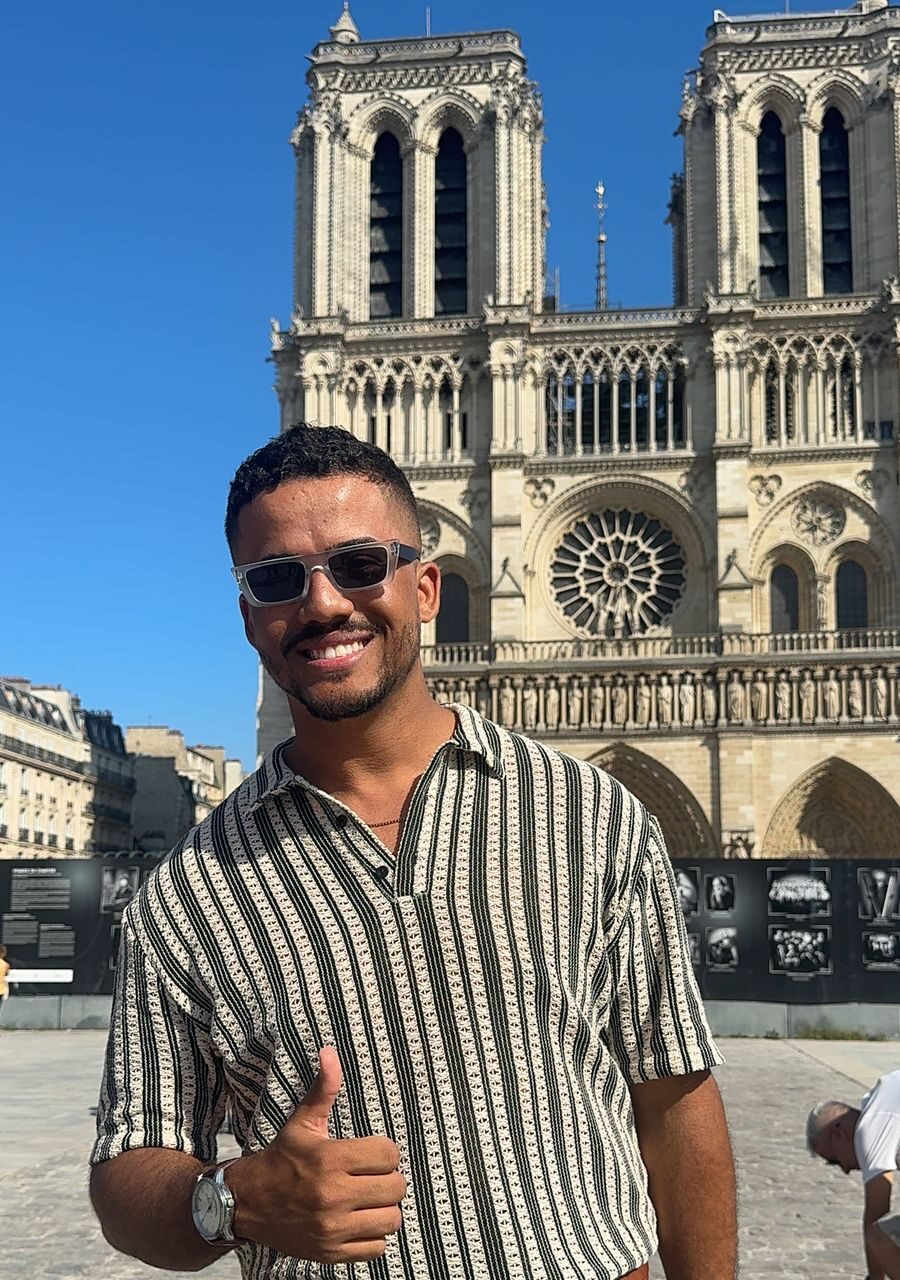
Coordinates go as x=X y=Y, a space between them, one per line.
x=335 y=703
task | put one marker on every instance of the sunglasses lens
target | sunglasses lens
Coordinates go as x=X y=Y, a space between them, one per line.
x=277 y=582
x=359 y=567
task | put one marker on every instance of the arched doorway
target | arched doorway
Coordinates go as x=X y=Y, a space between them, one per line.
x=453 y=619
x=684 y=826
x=834 y=811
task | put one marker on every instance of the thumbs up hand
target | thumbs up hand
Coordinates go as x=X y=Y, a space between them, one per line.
x=310 y=1196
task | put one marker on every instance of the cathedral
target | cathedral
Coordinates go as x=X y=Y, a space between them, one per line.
x=669 y=539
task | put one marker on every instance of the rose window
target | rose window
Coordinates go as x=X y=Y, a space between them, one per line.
x=617 y=573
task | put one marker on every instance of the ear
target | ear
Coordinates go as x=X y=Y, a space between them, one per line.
x=249 y=627
x=428 y=591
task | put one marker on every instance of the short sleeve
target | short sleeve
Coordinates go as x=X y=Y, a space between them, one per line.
x=657 y=1026
x=877 y=1142
x=162 y=1084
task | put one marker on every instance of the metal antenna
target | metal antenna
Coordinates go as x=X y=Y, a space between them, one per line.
x=428 y=20
x=602 y=299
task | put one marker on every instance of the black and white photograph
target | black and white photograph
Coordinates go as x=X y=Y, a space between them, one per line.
x=881 y=951
x=696 y=953
x=118 y=885
x=688 y=881
x=722 y=949
x=800 y=952
x=879 y=894
x=801 y=894
x=719 y=891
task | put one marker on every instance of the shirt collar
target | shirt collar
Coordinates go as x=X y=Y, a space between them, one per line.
x=473 y=735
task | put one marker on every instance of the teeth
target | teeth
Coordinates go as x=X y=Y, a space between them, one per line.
x=336 y=651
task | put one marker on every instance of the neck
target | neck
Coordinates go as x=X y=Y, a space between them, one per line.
x=398 y=737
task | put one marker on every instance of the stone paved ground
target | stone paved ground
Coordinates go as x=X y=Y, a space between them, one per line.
x=799 y=1218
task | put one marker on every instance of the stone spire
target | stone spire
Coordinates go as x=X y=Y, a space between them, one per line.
x=344 y=30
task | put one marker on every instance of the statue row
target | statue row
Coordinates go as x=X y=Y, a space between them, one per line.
x=663 y=700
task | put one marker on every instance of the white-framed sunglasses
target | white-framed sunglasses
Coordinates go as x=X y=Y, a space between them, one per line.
x=286 y=579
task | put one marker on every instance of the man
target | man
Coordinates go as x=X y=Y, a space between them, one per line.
x=437 y=971
x=867 y=1138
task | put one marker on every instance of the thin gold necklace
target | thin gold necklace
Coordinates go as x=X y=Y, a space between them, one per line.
x=373 y=826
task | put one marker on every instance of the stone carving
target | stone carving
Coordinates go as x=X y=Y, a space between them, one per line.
x=529 y=706
x=596 y=704
x=431 y=534
x=855 y=704
x=831 y=697
x=759 y=699
x=507 y=704
x=551 y=706
x=664 y=700
x=735 y=699
x=642 y=697
x=576 y=705
x=764 y=488
x=879 y=696
x=737 y=844
x=782 y=698
x=475 y=500
x=539 y=492
x=687 y=699
x=710 y=700
x=807 y=698
x=483 y=698
x=872 y=482
x=818 y=520
x=617 y=573
x=619 y=702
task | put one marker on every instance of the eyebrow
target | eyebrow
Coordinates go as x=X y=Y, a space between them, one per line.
x=362 y=540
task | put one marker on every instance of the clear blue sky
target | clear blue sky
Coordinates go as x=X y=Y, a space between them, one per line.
x=145 y=226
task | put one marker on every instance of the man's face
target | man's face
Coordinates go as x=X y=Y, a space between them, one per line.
x=835 y=1144
x=381 y=625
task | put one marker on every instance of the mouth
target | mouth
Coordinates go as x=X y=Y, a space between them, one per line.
x=335 y=657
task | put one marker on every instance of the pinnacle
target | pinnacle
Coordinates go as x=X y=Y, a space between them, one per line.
x=345 y=30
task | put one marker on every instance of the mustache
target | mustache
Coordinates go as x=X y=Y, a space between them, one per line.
x=295 y=638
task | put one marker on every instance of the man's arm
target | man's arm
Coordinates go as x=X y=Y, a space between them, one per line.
x=685 y=1146
x=882 y=1255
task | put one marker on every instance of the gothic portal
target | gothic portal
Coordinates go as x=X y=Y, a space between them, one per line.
x=670 y=538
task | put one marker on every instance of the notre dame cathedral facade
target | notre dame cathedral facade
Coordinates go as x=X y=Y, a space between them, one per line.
x=670 y=538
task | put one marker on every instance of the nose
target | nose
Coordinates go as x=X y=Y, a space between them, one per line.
x=324 y=602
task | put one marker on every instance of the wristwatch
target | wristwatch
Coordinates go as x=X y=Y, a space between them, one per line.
x=212 y=1207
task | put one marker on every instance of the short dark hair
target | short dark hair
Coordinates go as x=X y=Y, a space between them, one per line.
x=304 y=452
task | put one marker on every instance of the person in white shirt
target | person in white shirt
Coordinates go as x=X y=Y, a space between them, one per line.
x=867 y=1138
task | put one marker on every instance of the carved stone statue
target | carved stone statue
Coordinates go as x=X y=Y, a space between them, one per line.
x=596 y=704
x=507 y=704
x=529 y=706
x=831 y=693
x=879 y=696
x=619 y=700
x=551 y=707
x=855 y=704
x=576 y=705
x=642 y=703
x=807 y=699
x=782 y=698
x=664 y=700
x=735 y=699
x=687 y=699
x=710 y=700
x=483 y=696
x=759 y=699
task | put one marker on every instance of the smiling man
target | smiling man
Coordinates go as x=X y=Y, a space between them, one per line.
x=437 y=971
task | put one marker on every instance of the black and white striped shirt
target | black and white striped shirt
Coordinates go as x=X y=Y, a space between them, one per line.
x=491 y=989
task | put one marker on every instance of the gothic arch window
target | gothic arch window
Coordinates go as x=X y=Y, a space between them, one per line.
x=771 y=166
x=589 y=441
x=452 y=625
x=770 y=402
x=450 y=235
x=851 y=597
x=834 y=164
x=784 y=600
x=642 y=408
x=625 y=404
x=560 y=412
x=386 y=229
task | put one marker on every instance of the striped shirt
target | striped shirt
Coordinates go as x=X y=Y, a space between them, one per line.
x=491 y=990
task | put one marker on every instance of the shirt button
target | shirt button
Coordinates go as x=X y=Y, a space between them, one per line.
x=341 y=821
x=381 y=873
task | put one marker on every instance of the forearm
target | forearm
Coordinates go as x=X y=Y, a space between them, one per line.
x=143 y=1201
x=687 y=1153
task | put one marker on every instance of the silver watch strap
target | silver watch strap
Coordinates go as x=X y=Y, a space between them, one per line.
x=227 y=1199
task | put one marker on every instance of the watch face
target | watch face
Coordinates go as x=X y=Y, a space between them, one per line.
x=207 y=1209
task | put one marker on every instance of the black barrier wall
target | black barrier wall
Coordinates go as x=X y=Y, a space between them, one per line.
x=792 y=931
x=797 y=932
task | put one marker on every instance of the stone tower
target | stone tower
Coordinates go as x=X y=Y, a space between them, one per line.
x=670 y=538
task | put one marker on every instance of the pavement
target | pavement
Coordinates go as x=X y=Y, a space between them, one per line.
x=799 y=1219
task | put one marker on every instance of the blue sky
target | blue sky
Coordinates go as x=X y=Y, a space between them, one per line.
x=146 y=239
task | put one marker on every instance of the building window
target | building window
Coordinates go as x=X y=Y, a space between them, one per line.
x=834 y=163
x=386 y=229
x=784 y=600
x=453 y=620
x=771 y=167
x=450 y=239
x=852 y=594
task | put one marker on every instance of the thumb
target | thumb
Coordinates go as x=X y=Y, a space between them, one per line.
x=314 y=1110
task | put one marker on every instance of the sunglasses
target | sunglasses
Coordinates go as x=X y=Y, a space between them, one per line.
x=286 y=579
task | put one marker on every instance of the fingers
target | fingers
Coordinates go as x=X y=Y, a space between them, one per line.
x=315 y=1108
x=364 y=1156
x=375 y=1193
